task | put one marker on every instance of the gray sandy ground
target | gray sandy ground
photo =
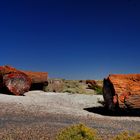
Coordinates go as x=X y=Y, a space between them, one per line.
x=58 y=103
x=53 y=111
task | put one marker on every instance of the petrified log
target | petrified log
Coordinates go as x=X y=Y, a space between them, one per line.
x=92 y=84
x=13 y=80
x=122 y=91
x=37 y=77
x=18 y=82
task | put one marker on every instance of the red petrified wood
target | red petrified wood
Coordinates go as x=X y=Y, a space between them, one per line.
x=122 y=90
x=91 y=83
x=37 y=77
x=18 y=82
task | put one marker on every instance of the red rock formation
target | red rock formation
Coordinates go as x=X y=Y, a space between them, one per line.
x=122 y=90
x=37 y=77
x=18 y=82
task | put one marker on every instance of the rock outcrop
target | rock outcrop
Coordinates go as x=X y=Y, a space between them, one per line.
x=122 y=91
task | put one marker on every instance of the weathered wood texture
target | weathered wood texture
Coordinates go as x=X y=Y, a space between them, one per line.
x=37 y=77
x=122 y=90
x=18 y=82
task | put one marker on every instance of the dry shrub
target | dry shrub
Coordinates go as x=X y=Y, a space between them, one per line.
x=78 y=132
x=127 y=136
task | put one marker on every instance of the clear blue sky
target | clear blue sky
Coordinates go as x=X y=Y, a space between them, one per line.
x=74 y=39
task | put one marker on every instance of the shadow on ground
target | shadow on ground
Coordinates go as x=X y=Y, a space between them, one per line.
x=5 y=91
x=34 y=86
x=105 y=112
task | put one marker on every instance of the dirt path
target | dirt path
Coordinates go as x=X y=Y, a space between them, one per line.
x=49 y=112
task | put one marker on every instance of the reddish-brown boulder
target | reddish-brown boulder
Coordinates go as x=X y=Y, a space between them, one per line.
x=122 y=90
x=91 y=84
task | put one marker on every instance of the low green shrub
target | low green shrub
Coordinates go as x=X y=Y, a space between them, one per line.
x=98 y=90
x=78 y=132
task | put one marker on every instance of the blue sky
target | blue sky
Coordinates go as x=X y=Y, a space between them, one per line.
x=72 y=39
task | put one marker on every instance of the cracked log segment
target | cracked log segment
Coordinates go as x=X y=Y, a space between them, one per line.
x=38 y=79
x=122 y=91
x=18 y=82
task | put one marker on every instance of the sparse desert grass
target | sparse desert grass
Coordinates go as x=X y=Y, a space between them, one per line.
x=72 y=86
x=94 y=85
x=78 y=132
x=98 y=90
x=99 y=82
x=55 y=85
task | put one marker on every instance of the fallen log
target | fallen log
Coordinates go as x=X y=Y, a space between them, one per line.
x=18 y=82
x=91 y=83
x=37 y=77
x=122 y=91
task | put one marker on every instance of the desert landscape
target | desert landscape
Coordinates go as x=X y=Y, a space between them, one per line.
x=42 y=114
x=69 y=70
